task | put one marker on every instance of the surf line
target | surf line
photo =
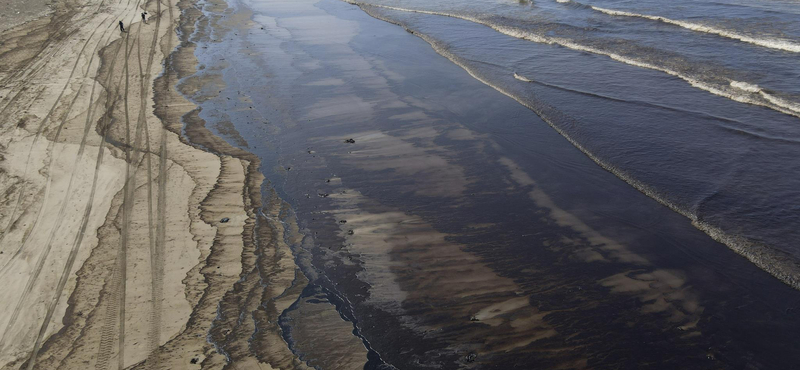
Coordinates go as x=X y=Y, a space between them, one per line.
x=760 y=98
x=778 y=44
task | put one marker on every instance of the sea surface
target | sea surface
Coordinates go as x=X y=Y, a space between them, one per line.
x=531 y=184
x=695 y=103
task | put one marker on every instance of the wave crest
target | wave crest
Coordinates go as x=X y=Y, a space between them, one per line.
x=735 y=94
x=522 y=78
x=746 y=86
x=778 y=44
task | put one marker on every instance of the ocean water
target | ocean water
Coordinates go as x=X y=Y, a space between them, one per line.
x=505 y=184
x=694 y=103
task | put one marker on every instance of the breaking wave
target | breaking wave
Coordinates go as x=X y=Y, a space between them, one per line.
x=777 y=44
x=746 y=86
x=730 y=91
x=522 y=78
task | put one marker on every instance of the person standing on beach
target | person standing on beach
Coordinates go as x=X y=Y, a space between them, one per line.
x=121 y=27
x=144 y=17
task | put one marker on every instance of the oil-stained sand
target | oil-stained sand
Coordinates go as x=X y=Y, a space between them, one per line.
x=444 y=216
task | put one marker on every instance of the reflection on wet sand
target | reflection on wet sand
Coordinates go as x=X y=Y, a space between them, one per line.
x=411 y=154
x=320 y=335
x=614 y=249
x=659 y=290
x=441 y=291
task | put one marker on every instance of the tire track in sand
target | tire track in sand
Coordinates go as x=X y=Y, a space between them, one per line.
x=39 y=131
x=161 y=205
x=156 y=255
x=47 y=51
x=79 y=236
x=33 y=278
x=90 y=202
x=119 y=277
x=36 y=139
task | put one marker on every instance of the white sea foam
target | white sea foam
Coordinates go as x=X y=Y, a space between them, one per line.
x=562 y=1
x=783 y=103
x=753 y=88
x=746 y=86
x=522 y=78
x=778 y=44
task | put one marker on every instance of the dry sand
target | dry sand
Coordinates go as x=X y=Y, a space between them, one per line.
x=107 y=212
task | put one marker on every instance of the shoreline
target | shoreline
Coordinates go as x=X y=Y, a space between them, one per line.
x=272 y=269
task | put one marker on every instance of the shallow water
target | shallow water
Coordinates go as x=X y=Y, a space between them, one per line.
x=459 y=229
